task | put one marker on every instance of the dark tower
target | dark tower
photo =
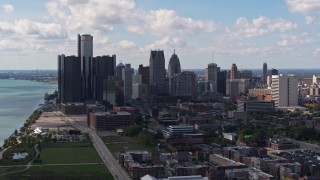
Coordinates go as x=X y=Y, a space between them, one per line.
x=264 y=73
x=69 y=78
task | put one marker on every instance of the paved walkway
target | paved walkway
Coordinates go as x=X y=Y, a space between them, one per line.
x=27 y=166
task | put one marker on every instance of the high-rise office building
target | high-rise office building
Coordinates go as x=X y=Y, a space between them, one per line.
x=127 y=73
x=85 y=45
x=109 y=90
x=211 y=77
x=144 y=72
x=264 y=73
x=157 y=74
x=221 y=82
x=184 y=84
x=86 y=76
x=174 y=65
x=69 y=79
x=284 y=90
x=157 y=69
x=270 y=74
x=119 y=68
x=103 y=67
x=234 y=72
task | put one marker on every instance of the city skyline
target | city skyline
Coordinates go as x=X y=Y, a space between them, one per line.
x=281 y=33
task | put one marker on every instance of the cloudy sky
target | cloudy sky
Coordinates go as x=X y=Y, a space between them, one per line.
x=283 y=33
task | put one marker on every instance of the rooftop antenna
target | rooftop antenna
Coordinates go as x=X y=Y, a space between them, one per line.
x=174 y=51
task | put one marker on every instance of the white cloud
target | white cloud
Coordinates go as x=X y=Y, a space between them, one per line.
x=167 y=22
x=295 y=41
x=167 y=43
x=105 y=15
x=309 y=19
x=316 y=51
x=8 y=8
x=304 y=6
x=126 y=44
x=244 y=28
x=32 y=28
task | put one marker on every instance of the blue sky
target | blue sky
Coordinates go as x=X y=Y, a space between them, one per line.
x=283 y=33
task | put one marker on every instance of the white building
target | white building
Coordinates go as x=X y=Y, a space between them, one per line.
x=139 y=91
x=284 y=90
x=177 y=130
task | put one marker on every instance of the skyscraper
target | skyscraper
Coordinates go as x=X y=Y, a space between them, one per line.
x=284 y=90
x=211 y=77
x=221 y=82
x=157 y=69
x=174 y=65
x=69 y=79
x=119 y=68
x=157 y=73
x=234 y=72
x=264 y=73
x=85 y=78
x=103 y=67
x=144 y=72
x=85 y=45
x=184 y=84
x=127 y=73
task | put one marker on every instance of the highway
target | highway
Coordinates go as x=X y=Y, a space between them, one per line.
x=112 y=164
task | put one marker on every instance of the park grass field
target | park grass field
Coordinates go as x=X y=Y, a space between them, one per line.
x=9 y=169
x=91 y=171
x=69 y=155
x=66 y=161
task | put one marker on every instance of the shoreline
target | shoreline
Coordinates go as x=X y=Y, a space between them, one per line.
x=24 y=122
x=38 y=106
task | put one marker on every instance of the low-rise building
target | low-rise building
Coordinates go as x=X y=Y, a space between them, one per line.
x=247 y=173
x=281 y=144
x=73 y=108
x=102 y=121
x=255 y=106
x=177 y=131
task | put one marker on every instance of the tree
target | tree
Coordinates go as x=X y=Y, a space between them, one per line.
x=138 y=119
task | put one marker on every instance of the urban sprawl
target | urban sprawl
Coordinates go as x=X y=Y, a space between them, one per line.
x=157 y=123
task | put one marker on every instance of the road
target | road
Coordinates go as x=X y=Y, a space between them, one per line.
x=114 y=167
x=305 y=145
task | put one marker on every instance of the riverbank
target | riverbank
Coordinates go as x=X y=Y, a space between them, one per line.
x=18 y=100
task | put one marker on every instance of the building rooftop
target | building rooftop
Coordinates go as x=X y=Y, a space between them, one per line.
x=120 y=113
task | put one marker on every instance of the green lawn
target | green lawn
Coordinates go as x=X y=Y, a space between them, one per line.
x=69 y=155
x=69 y=144
x=10 y=169
x=94 y=171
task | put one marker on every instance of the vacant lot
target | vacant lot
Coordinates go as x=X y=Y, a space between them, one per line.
x=124 y=143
